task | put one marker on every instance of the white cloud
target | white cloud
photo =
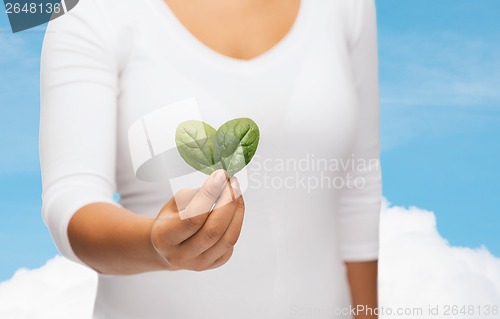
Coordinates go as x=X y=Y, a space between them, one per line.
x=417 y=268
x=59 y=290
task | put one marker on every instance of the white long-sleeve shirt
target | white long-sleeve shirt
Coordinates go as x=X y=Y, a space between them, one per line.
x=312 y=191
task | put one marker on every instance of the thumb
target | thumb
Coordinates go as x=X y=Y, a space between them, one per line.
x=207 y=195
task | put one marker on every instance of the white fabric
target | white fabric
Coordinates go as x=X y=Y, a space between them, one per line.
x=314 y=96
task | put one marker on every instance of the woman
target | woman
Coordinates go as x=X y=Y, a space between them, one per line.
x=304 y=71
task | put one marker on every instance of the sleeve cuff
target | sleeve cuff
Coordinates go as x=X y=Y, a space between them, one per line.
x=59 y=206
x=360 y=252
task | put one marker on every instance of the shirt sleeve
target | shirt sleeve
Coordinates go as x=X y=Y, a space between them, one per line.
x=78 y=118
x=359 y=204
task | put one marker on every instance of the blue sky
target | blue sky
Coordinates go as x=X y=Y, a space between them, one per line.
x=440 y=124
x=440 y=97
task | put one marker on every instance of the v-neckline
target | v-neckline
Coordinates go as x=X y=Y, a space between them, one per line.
x=196 y=47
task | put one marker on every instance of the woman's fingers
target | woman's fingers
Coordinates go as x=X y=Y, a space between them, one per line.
x=229 y=239
x=230 y=194
x=182 y=198
x=188 y=237
x=179 y=227
x=234 y=230
x=216 y=224
x=222 y=260
x=206 y=196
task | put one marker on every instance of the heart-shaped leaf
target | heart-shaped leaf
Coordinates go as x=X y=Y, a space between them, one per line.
x=235 y=144
x=231 y=147
x=194 y=140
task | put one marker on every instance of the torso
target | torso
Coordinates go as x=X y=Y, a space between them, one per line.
x=295 y=81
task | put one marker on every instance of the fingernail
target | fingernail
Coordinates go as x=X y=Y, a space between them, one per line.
x=220 y=177
x=236 y=186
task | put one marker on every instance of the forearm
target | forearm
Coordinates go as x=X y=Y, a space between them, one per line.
x=362 y=277
x=113 y=240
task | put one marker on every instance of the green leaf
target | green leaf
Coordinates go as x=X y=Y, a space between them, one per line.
x=235 y=144
x=194 y=140
x=231 y=147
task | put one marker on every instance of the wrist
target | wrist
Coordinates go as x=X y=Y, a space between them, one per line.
x=161 y=259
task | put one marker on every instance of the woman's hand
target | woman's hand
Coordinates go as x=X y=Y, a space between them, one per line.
x=188 y=236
